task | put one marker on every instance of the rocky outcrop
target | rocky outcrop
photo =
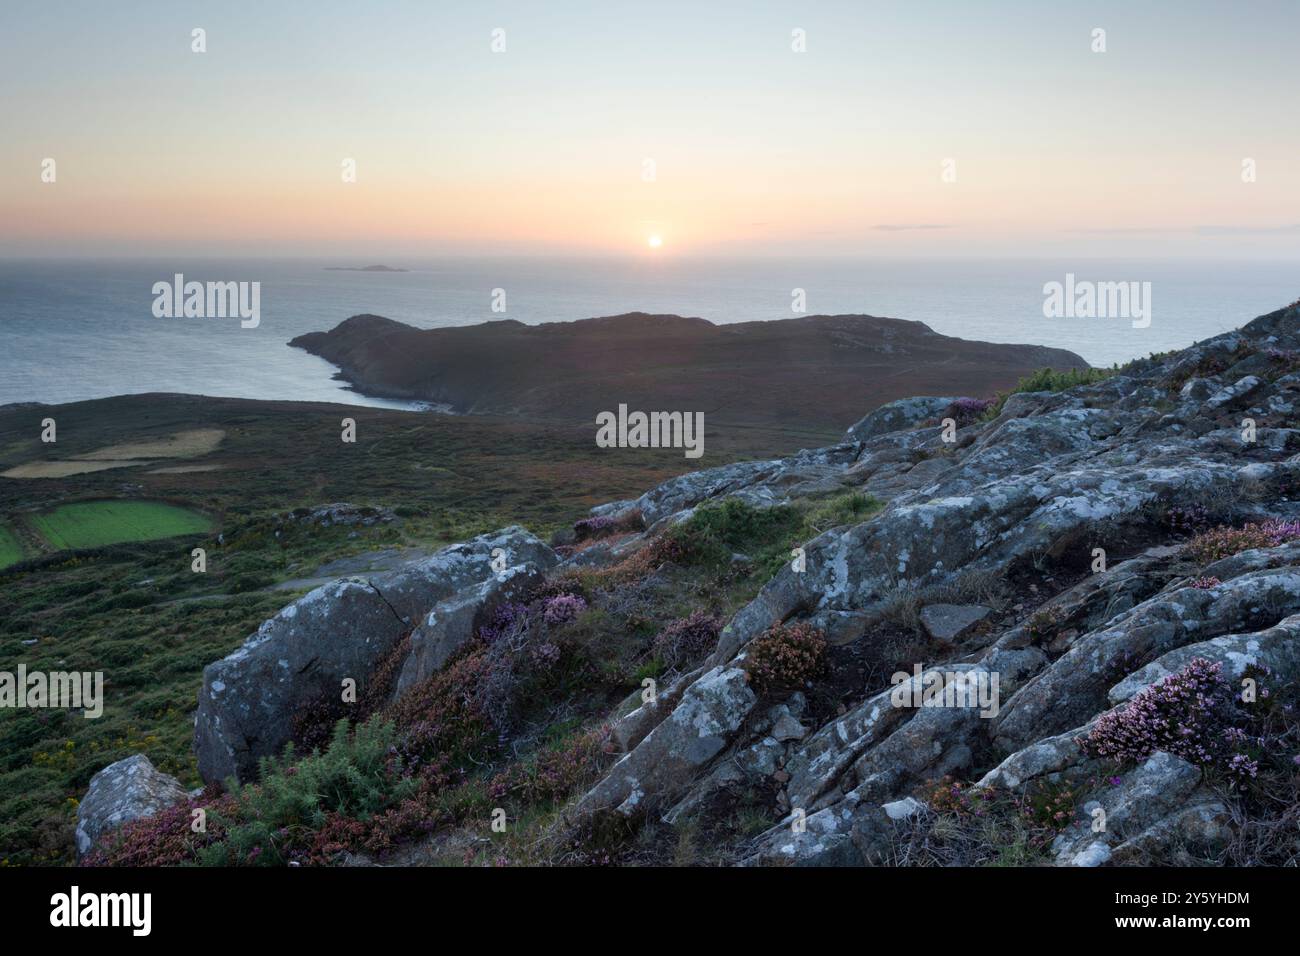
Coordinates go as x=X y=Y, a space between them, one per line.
x=1073 y=508
x=896 y=416
x=666 y=760
x=1093 y=481
x=341 y=631
x=123 y=791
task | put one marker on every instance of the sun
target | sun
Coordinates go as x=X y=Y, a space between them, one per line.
x=654 y=242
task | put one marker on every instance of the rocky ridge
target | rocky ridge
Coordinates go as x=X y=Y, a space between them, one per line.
x=1079 y=502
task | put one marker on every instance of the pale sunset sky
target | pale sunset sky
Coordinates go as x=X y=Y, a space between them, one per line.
x=757 y=149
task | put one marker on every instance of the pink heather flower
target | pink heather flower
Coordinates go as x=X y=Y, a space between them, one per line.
x=563 y=608
x=1183 y=714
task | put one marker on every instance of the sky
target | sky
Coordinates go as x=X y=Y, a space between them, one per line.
x=902 y=129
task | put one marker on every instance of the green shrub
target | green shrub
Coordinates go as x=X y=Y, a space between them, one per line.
x=715 y=532
x=1051 y=380
x=353 y=777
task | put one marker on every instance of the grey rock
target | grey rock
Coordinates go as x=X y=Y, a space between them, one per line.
x=787 y=727
x=455 y=620
x=948 y=622
x=902 y=809
x=1144 y=796
x=665 y=762
x=127 y=790
x=341 y=630
x=897 y=415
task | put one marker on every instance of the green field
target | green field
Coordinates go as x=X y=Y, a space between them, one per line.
x=11 y=551
x=92 y=524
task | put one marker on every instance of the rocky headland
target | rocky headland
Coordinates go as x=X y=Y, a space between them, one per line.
x=812 y=374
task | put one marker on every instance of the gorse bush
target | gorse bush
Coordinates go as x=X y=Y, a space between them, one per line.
x=282 y=818
x=1050 y=380
x=714 y=533
x=785 y=657
x=274 y=821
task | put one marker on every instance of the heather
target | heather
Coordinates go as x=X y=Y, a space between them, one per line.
x=1191 y=714
x=785 y=658
x=687 y=640
x=964 y=411
x=1223 y=542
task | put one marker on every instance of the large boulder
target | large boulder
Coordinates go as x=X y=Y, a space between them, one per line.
x=127 y=790
x=338 y=631
x=455 y=620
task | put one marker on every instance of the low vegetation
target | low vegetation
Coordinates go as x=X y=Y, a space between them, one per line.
x=1049 y=380
x=137 y=612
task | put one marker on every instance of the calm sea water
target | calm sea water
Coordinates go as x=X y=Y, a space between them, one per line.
x=72 y=330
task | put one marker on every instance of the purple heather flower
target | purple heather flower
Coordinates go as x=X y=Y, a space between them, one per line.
x=563 y=608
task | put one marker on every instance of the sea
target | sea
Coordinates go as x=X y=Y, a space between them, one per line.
x=80 y=329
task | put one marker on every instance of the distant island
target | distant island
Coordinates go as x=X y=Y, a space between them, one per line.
x=363 y=269
x=809 y=374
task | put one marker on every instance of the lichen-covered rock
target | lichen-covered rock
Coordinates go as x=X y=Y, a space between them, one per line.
x=336 y=632
x=1142 y=797
x=1074 y=478
x=687 y=740
x=127 y=790
x=897 y=415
